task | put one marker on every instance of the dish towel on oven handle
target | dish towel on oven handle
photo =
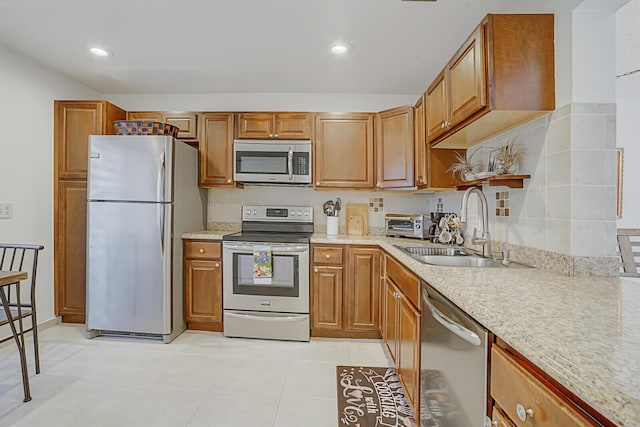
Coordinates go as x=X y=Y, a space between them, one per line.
x=262 y=265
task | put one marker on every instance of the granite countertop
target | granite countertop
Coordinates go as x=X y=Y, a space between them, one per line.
x=582 y=331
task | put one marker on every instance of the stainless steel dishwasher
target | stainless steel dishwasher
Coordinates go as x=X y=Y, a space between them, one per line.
x=453 y=370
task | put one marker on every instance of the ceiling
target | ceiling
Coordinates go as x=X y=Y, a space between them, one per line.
x=255 y=46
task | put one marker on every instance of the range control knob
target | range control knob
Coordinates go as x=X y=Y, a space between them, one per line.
x=255 y=212
x=247 y=212
x=306 y=213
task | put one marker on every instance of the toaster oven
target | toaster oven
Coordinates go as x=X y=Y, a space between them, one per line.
x=407 y=225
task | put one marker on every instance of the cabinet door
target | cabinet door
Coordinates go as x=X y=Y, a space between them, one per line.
x=145 y=116
x=408 y=361
x=185 y=121
x=437 y=107
x=255 y=125
x=202 y=291
x=293 y=126
x=343 y=151
x=327 y=297
x=362 y=290
x=499 y=419
x=394 y=140
x=420 y=144
x=390 y=330
x=74 y=122
x=70 y=250
x=216 y=149
x=467 y=80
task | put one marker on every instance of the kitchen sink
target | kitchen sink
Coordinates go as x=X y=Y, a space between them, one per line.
x=449 y=257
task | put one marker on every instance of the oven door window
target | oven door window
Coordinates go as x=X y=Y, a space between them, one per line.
x=285 y=281
x=261 y=162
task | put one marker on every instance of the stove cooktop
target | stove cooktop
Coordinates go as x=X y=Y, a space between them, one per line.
x=262 y=236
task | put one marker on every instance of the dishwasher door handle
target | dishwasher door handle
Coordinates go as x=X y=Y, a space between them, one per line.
x=464 y=333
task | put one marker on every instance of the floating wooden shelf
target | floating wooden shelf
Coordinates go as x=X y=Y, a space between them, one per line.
x=512 y=181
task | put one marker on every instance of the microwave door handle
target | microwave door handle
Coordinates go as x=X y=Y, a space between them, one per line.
x=290 y=163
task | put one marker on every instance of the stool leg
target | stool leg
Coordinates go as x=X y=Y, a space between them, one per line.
x=23 y=358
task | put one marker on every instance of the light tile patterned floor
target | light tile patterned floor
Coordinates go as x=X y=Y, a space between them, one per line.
x=201 y=379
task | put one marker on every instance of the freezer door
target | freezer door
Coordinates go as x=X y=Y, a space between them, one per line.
x=130 y=168
x=129 y=267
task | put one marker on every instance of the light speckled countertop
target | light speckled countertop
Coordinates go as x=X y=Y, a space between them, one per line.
x=583 y=331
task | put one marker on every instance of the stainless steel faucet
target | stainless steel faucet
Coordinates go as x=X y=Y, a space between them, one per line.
x=485 y=240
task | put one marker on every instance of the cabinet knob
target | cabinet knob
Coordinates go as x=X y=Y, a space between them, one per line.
x=270 y=135
x=378 y=185
x=327 y=256
x=523 y=413
x=228 y=181
x=443 y=125
x=494 y=424
x=315 y=270
x=217 y=264
x=276 y=135
x=201 y=250
x=317 y=182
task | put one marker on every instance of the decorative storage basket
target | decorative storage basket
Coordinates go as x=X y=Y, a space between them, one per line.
x=134 y=127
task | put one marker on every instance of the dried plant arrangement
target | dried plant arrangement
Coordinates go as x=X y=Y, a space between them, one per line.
x=508 y=157
x=463 y=167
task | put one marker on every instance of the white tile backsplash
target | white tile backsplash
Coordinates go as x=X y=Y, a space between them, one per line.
x=558 y=235
x=588 y=167
x=559 y=135
x=559 y=169
x=559 y=206
x=588 y=202
x=588 y=132
x=588 y=238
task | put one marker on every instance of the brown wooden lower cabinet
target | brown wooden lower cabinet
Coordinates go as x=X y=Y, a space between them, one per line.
x=499 y=419
x=525 y=400
x=345 y=292
x=203 y=285
x=401 y=326
x=71 y=256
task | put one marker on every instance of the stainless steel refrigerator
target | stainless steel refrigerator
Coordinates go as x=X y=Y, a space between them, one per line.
x=142 y=195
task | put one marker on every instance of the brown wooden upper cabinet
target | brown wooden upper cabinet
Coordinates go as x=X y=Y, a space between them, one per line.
x=420 y=144
x=274 y=126
x=502 y=76
x=186 y=121
x=216 y=149
x=343 y=150
x=395 y=147
x=74 y=122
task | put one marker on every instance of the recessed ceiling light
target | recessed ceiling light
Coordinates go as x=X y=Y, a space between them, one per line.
x=98 y=51
x=340 y=48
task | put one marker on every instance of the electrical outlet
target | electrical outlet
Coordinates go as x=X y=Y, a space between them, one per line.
x=6 y=210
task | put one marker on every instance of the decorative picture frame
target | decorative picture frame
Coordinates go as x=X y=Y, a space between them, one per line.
x=619 y=163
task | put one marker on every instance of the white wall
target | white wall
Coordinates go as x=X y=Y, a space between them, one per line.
x=26 y=158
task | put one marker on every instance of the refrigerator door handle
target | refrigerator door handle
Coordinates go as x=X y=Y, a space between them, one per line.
x=161 y=183
x=161 y=208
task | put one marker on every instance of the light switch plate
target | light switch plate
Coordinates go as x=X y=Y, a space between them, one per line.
x=6 y=210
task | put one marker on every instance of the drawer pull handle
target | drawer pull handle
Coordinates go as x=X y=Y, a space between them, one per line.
x=217 y=264
x=523 y=413
x=315 y=270
x=201 y=250
x=327 y=256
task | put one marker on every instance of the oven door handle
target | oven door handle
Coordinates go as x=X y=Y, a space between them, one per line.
x=286 y=318
x=456 y=328
x=274 y=248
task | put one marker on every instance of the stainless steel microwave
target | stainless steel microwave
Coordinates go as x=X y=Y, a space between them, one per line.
x=272 y=161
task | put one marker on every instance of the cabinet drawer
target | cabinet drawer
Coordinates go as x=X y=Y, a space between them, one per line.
x=327 y=255
x=194 y=249
x=512 y=386
x=408 y=284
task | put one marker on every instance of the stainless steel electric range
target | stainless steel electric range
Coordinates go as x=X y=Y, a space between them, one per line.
x=275 y=307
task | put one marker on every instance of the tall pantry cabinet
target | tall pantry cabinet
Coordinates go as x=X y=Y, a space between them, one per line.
x=74 y=121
